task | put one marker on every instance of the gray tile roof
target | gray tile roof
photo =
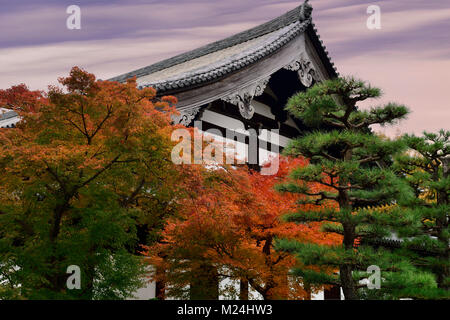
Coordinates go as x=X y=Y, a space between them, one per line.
x=273 y=35
x=7 y=114
x=8 y=118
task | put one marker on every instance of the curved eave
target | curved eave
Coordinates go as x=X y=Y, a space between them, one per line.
x=321 y=50
x=263 y=41
x=301 y=13
x=8 y=118
x=197 y=79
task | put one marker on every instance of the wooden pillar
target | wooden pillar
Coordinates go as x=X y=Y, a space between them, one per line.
x=253 y=146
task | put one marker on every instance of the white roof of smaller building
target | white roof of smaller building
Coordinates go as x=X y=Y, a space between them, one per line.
x=8 y=118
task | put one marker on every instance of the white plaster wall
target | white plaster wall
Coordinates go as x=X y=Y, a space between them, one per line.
x=146 y=293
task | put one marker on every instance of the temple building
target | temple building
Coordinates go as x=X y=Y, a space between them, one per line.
x=238 y=87
x=241 y=85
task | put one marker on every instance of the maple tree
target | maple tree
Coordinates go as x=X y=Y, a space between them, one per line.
x=85 y=173
x=226 y=230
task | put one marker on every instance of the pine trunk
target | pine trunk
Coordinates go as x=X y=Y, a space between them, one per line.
x=348 y=285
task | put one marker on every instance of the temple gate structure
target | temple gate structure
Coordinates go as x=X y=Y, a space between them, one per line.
x=242 y=83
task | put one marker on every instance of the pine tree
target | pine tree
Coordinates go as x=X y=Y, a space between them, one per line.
x=348 y=159
x=424 y=221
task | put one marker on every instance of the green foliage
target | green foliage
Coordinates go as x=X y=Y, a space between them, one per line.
x=349 y=162
x=424 y=219
x=333 y=103
x=83 y=171
x=405 y=281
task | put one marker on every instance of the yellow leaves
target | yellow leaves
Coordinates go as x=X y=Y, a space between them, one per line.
x=85 y=126
x=384 y=208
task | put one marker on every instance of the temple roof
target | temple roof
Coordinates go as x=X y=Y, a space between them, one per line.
x=217 y=60
x=222 y=59
x=8 y=118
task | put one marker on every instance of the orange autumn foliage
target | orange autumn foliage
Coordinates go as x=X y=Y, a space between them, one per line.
x=85 y=172
x=230 y=219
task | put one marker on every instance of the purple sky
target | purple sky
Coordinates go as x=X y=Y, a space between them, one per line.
x=409 y=58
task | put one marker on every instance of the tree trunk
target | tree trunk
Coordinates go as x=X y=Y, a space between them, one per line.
x=160 y=290
x=308 y=290
x=348 y=285
x=243 y=292
x=205 y=284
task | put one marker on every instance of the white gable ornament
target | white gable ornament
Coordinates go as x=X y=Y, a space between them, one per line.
x=186 y=116
x=243 y=98
x=306 y=71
